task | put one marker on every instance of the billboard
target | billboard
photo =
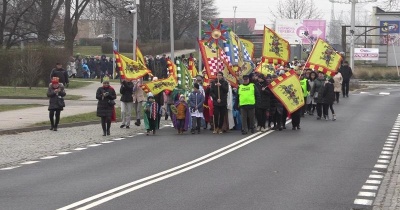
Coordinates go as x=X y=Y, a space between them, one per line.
x=366 y=54
x=293 y=30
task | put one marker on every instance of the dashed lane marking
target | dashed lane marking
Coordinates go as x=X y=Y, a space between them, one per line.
x=64 y=153
x=80 y=149
x=373 y=182
x=386 y=153
x=9 y=168
x=107 y=142
x=383 y=161
x=29 y=162
x=367 y=194
x=94 y=145
x=384 y=93
x=369 y=187
x=373 y=176
x=118 y=139
x=48 y=157
x=364 y=202
x=380 y=166
x=385 y=157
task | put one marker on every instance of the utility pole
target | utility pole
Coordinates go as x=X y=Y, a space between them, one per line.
x=200 y=22
x=234 y=18
x=171 y=34
x=135 y=29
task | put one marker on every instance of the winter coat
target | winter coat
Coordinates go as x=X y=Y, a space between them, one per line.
x=329 y=94
x=346 y=72
x=61 y=74
x=53 y=101
x=126 y=91
x=223 y=92
x=196 y=97
x=263 y=98
x=338 y=82
x=104 y=109
x=138 y=95
x=317 y=90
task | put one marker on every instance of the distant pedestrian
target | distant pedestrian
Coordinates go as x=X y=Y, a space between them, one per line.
x=138 y=98
x=338 y=79
x=150 y=114
x=346 y=72
x=329 y=98
x=106 y=105
x=196 y=100
x=317 y=91
x=61 y=74
x=182 y=117
x=56 y=94
x=126 y=91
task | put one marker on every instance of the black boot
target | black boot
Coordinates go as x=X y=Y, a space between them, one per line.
x=52 y=127
x=137 y=123
x=104 y=133
x=55 y=128
x=108 y=131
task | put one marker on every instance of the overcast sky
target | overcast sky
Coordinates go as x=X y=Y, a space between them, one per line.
x=260 y=9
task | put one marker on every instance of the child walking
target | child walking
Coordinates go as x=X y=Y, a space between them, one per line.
x=196 y=101
x=150 y=110
x=182 y=116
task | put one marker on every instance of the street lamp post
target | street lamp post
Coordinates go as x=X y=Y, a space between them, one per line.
x=171 y=34
x=234 y=18
x=200 y=59
x=132 y=9
x=352 y=23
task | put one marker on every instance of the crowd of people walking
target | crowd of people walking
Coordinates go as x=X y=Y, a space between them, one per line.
x=215 y=105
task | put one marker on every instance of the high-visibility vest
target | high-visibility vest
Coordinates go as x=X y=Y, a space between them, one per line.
x=303 y=84
x=246 y=95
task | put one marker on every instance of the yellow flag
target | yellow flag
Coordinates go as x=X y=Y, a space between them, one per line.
x=249 y=46
x=192 y=68
x=324 y=58
x=130 y=69
x=172 y=71
x=288 y=90
x=265 y=68
x=158 y=86
x=139 y=55
x=276 y=50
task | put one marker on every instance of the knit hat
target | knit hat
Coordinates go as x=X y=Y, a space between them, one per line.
x=150 y=95
x=106 y=79
x=55 y=80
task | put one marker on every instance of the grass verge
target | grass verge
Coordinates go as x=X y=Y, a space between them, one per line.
x=10 y=107
x=87 y=117
x=75 y=84
x=26 y=93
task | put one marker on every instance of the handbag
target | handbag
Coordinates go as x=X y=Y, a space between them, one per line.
x=111 y=102
x=60 y=101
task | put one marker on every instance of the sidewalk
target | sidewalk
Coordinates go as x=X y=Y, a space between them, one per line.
x=27 y=117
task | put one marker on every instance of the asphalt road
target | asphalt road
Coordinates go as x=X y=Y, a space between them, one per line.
x=321 y=166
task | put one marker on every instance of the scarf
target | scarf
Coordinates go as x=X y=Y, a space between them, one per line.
x=154 y=110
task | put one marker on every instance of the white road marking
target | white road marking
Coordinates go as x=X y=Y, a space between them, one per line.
x=367 y=194
x=393 y=136
x=388 y=148
x=386 y=153
x=380 y=166
x=129 y=136
x=384 y=93
x=9 y=168
x=373 y=176
x=80 y=149
x=118 y=139
x=364 y=92
x=140 y=133
x=373 y=182
x=64 y=153
x=29 y=162
x=107 y=142
x=48 y=157
x=383 y=161
x=390 y=142
x=376 y=172
x=369 y=187
x=385 y=157
x=395 y=131
x=94 y=145
x=164 y=174
x=364 y=202
x=388 y=145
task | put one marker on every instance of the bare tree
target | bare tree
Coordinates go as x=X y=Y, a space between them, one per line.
x=391 y=4
x=29 y=66
x=296 y=9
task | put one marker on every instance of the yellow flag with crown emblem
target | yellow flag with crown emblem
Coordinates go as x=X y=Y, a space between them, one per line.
x=130 y=69
x=276 y=49
x=288 y=90
x=156 y=87
x=324 y=58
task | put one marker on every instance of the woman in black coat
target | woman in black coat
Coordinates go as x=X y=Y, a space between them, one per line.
x=262 y=103
x=56 y=93
x=328 y=99
x=106 y=105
